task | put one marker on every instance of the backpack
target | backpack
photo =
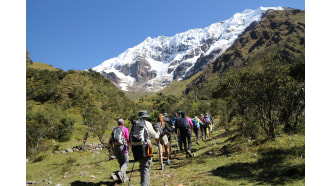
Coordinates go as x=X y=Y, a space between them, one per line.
x=195 y=122
x=159 y=128
x=138 y=132
x=139 y=139
x=208 y=122
x=117 y=137
x=183 y=124
x=202 y=122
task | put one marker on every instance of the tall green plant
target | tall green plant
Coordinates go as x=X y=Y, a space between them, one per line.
x=261 y=97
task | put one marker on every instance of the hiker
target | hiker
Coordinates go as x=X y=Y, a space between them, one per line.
x=161 y=127
x=184 y=125
x=203 y=127
x=212 y=122
x=119 y=142
x=196 y=128
x=208 y=125
x=175 y=117
x=169 y=129
x=141 y=146
x=177 y=130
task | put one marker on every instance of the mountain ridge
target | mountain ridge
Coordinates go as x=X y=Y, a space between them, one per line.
x=279 y=34
x=156 y=62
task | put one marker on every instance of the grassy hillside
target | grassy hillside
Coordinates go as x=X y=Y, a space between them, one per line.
x=224 y=159
x=43 y=66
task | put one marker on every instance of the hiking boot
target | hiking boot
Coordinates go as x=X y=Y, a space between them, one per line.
x=189 y=153
x=168 y=162
x=163 y=167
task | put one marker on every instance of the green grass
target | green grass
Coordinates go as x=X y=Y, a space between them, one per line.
x=43 y=66
x=258 y=162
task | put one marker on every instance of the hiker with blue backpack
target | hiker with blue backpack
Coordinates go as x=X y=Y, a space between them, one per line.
x=141 y=145
x=184 y=126
x=196 y=128
x=119 y=142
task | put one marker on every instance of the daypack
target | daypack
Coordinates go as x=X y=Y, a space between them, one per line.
x=208 y=122
x=202 y=122
x=159 y=128
x=195 y=122
x=138 y=132
x=117 y=137
x=139 y=139
x=183 y=124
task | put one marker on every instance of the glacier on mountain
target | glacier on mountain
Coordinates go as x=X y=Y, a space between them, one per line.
x=156 y=62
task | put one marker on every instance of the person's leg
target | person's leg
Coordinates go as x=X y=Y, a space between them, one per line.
x=189 y=141
x=169 y=136
x=145 y=164
x=207 y=132
x=180 y=139
x=121 y=159
x=195 y=132
x=198 y=134
x=183 y=135
x=202 y=133
x=124 y=166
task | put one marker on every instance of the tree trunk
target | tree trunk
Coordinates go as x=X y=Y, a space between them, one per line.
x=85 y=140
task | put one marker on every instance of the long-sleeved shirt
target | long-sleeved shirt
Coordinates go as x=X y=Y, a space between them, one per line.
x=211 y=118
x=189 y=121
x=151 y=132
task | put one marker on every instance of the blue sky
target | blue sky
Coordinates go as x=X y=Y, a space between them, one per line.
x=81 y=34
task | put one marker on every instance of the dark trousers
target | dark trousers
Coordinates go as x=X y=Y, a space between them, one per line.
x=179 y=139
x=196 y=131
x=203 y=130
x=186 y=138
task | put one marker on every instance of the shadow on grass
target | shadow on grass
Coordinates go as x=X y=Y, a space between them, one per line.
x=80 y=183
x=269 y=169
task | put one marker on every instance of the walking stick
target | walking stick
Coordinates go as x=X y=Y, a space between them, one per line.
x=131 y=174
x=177 y=141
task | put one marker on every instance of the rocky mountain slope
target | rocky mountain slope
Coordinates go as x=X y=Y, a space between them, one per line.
x=279 y=33
x=156 y=62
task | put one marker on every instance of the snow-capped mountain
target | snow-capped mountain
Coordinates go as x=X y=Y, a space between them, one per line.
x=156 y=62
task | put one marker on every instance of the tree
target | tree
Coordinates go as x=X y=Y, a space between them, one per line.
x=267 y=97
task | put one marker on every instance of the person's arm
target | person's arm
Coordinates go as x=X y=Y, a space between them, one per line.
x=190 y=122
x=151 y=131
x=126 y=136
x=168 y=127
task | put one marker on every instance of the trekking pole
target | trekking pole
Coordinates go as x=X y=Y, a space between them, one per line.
x=131 y=174
x=177 y=141
x=163 y=177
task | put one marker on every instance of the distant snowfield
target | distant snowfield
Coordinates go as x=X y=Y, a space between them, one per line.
x=164 y=53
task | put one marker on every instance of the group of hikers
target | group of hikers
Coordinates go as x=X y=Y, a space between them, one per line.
x=138 y=139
